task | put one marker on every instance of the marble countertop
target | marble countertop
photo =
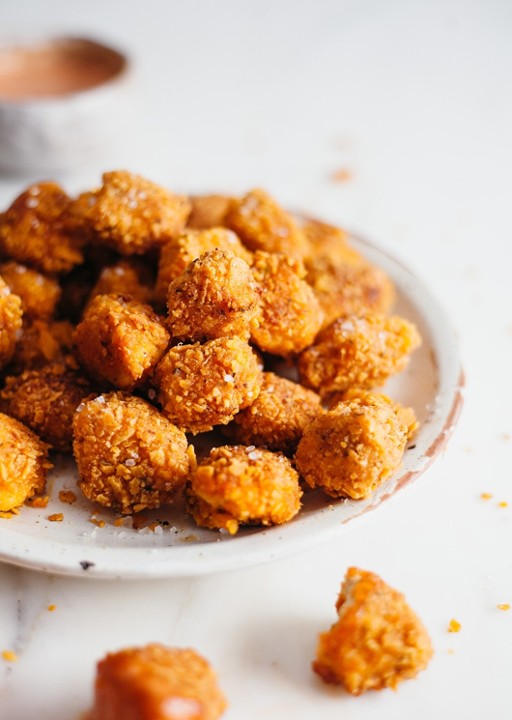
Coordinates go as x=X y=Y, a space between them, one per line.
x=392 y=119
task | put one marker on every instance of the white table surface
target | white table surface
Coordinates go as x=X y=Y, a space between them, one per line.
x=414 y=99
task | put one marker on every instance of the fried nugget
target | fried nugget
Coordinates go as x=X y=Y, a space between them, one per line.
x=34 y=230
x=290 y=315
x=45 y=400
x=130 y=214
x=23 y=463
x=216 y=296
x=200 y=386
x=129 y=456
x=377 y=642
x=243 y=485
x=156 y=683
x=330 y=241
x=262 y=224
x=352 y=448
x=209 y=211
x=120 y=340
x=39 y=293
x=41 y=342
x=128 y=277
x=358 y=351
x=177 y=254
x=278 y=416
x=11 y=321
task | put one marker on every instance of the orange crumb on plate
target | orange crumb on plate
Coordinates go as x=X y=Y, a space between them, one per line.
x=9 y=656
x=486 y=496
x=67 y=496
x=119 y=522
x=341 y=175
x=503 y=606
x=52 y=608
x=503 y=504
x=40 y=501
x=95 y=521
x=454 y=626
x=56 y=517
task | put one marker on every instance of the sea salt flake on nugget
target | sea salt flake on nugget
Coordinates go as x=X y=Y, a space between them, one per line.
x=11 y=320
x=377 y=642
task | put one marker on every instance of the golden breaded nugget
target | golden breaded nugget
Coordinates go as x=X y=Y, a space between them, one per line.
x=129 y=456
x=358 y=351
x=278 y=416
x=130 y=214
x=23 y=463
x=262 y=224
x=11 y=321
x=156 y=683
x=177 y=254
x=290 y=315
x=39 y=293
x=126 y=277
x=243 y=485
x=200 y=386
x=40 y=342
x=216 y=296
x=120 y=340
x=352 y=448
x=34 y=230
x=328 y=240
x=208 y=211
x=377 y=642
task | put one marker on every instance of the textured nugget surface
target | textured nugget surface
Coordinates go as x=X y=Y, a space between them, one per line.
x=128 y=276
x=377 y=642
x=23 y=463
x=243 y=485
x=200 y=386
x=39 y=293
x=351 y=449
x=156 y=683
x=209 y=211
x=129 y=456
x=11 y=320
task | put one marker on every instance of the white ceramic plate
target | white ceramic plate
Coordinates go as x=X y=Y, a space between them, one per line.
x=432 y=385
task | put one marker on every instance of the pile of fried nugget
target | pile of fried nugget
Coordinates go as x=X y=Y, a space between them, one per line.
x=133 y=319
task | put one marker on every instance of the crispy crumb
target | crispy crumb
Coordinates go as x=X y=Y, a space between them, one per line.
x=454 y=626
x=9 y=656
x=56 y=517
x=503 y=606
x=119 y=522
x=503 y=504
x=341 y=175
x=39 y=501
x=486 y=496
x=52 y=608
x=96 y=521
x=67 y=496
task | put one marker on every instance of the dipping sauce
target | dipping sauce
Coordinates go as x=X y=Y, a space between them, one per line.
x=55 y=68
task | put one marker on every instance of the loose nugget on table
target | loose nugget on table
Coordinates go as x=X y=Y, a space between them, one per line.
x=216 y=296
x=23 y=463
x=243 y=485
x=128 y=276
x=209 y=211
x=278 y=416
x=262 y=224
x=129 y=456
x=156 y=683
x=120 y=340
x=290 y=315
x=46 y=399
x=377 y=642
x=130 y=214
x=200 y=386
x=352 y=448
x=34 y=230
x=40 y=342
x=11 y=320
x=39 y=293
x=178 y=253
x=358 y=351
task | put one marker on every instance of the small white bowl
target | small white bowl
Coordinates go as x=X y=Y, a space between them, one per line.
x=61 y=103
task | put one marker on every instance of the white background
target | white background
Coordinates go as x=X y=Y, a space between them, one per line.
x=414 y=98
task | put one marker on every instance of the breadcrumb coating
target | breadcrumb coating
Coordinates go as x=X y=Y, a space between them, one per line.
x=40 y=342
x=405 y=414
x=156 y=683
x=216 y=296
x=290 y=315
x=278 y=416
x=209 y=211
x=11 y=321
x=330 y=241
x=358 y=351
x=45 y=400
x=120 y=340
x=23 y=463
x=39 y=293
x=200 y=386
x=126 y=277
x=130 y=214
x=129 y=456
x=34 y=230
x=377 y=642
x=177 y=254
x=243 y=485
x=262 y=224
x=352 y=448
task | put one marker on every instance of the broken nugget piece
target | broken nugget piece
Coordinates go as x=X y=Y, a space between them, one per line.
x=129 y=213
x=11 y=320
x=39 y=293
x=215 y=296
x=358 y=352
x=23 y=463
x=120 y=340
x=277 y=418
x=129 y=456
x=200 y=386
x=156 y=683
x=352 y=448
x=377 y=642
x=243 y=485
